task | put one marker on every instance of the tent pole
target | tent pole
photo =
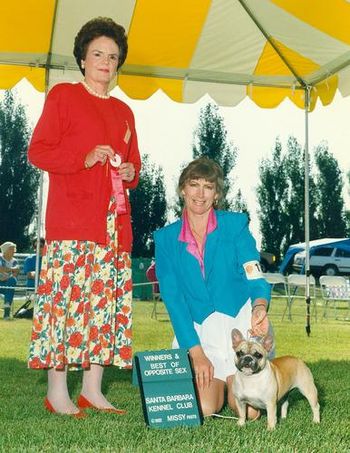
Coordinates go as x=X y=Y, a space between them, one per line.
x=41 y=183
x=40 y=208
x=38 y=228
x=307 y=210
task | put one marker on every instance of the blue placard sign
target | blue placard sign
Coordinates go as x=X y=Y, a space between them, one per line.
x=167 y=388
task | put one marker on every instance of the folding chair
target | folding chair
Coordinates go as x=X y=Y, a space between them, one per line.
x=297 y=289
x=334 y=290
x=156 y=301
x=2 y=302
x=278 y=285
x=26 y=310
x=277 y=282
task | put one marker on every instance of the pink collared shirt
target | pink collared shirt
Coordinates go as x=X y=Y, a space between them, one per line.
x=187 y=236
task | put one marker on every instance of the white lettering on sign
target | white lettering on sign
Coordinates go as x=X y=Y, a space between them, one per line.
x=155 y=399
x=176 y=417
x=156 y=420
x=187 y=405
x=180 y=397
x=157 y=372
x=160 y=407
x=156 y=365
x=158 y=358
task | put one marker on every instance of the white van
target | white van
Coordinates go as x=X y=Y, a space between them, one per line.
x=328 y=260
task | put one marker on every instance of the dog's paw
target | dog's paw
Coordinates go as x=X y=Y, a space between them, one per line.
x=316 y=414
x=284 y=409
x=241 y=422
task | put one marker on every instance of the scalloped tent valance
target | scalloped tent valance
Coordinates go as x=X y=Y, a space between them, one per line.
x=265 y=49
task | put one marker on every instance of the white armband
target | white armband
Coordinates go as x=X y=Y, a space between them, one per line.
x=252 y=270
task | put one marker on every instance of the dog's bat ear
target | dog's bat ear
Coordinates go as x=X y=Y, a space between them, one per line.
x=268 y=342
x=237 y=338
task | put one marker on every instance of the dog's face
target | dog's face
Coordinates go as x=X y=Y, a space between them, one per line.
x=250 y=356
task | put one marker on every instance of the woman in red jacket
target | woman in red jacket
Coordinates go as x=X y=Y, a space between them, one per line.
x=86 y=141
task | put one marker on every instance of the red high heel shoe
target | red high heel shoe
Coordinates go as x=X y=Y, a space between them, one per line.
x=48 y=406
x=83 y=403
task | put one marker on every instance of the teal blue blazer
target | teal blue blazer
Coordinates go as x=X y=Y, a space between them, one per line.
x=190 y=297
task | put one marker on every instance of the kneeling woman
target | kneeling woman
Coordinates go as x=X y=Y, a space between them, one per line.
x=210 y=280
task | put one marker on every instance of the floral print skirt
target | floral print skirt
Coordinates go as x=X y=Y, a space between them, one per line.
x=82 y=314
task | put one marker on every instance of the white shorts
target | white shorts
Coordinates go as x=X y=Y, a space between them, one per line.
x=215 y=338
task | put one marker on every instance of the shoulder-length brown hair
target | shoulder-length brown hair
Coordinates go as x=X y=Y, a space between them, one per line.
x=203 y=168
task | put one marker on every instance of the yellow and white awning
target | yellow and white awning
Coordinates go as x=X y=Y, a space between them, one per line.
x=230 y=49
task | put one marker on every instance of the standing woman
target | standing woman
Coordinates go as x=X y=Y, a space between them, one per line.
x=86 y=141
x=210 y=280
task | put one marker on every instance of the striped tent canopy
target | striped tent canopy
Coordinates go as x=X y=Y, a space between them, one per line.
x=265 y=49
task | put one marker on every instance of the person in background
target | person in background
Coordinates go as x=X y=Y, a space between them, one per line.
x=9 y=270
x=151 y=276
x=86 y=140
x=210 y=281
x=30 y=263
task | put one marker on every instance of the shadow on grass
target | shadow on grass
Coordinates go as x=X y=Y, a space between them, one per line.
x=331 y=378
x=17 y=380
x=332 y=381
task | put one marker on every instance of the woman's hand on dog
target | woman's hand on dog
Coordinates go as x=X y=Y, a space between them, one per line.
x=202 y=366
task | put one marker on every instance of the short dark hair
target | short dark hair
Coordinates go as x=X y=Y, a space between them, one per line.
x=204 y=168
x=100 y=26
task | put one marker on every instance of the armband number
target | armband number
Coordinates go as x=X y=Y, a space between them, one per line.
x=252 y=270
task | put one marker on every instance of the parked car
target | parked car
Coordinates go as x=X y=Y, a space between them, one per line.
x=324 y=261
x=287 y=264
x=267 y=261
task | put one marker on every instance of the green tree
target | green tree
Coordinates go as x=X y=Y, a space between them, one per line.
x=272 y=193
x=148 y=207
x=210 y=140
x=18 y=179
x=347 y=221
x=281 y=195
x=347 y=211
x=239 y=204
x=330 y=203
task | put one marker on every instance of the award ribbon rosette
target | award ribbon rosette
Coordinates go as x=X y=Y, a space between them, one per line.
x=117 y=184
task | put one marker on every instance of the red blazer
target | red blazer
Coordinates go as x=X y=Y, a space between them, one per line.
x=73 y=122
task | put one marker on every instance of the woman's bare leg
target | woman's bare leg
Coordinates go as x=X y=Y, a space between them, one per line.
x=91 y=390
x=212 y=398
x=57 y=392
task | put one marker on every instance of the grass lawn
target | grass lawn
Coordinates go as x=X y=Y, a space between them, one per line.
x=26 y=427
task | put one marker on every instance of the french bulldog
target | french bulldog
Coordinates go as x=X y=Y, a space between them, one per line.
x=261 y=383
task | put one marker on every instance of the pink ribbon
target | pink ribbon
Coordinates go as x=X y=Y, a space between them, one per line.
x=118 y=191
